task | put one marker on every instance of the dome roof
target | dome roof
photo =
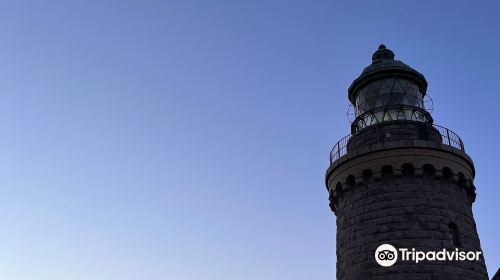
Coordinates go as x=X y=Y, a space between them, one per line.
x=384 y=65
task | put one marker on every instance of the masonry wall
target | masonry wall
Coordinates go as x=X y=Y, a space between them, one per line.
x=410 y=198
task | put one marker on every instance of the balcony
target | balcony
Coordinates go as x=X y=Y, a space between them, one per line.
x=443 y=136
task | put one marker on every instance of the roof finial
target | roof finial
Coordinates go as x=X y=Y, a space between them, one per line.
x=383 y=53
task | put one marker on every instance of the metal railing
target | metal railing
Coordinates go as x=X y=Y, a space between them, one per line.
x=340 y=149
x=448 y=137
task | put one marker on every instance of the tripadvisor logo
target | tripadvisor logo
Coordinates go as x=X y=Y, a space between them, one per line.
x=387 y=255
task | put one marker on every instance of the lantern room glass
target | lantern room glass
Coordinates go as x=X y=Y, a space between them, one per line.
x=388 y=92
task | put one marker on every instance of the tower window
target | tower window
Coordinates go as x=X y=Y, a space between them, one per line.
x=454 y=235
x=461 y=179
x=447 y=173
x=387 y=172
x=368 y=177
x=429 y=171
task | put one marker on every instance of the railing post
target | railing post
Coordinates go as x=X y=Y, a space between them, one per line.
x=448 y=134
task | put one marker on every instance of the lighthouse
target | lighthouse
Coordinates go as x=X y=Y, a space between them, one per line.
x=400 y=180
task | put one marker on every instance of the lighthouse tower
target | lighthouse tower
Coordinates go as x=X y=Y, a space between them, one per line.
x=402 y=180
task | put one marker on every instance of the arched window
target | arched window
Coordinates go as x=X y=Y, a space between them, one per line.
x=447 y=173
x=368 y=178
x=387 y=173
x=461 y=179
x=429 y=171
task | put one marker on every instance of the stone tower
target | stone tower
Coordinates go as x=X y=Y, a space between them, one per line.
x=400 y=179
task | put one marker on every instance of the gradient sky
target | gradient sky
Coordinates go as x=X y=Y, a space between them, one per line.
x=187 y=140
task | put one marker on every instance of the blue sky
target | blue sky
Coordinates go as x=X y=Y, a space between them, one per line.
x=189 y=139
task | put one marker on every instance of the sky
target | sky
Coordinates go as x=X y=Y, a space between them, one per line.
x=188 y=139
